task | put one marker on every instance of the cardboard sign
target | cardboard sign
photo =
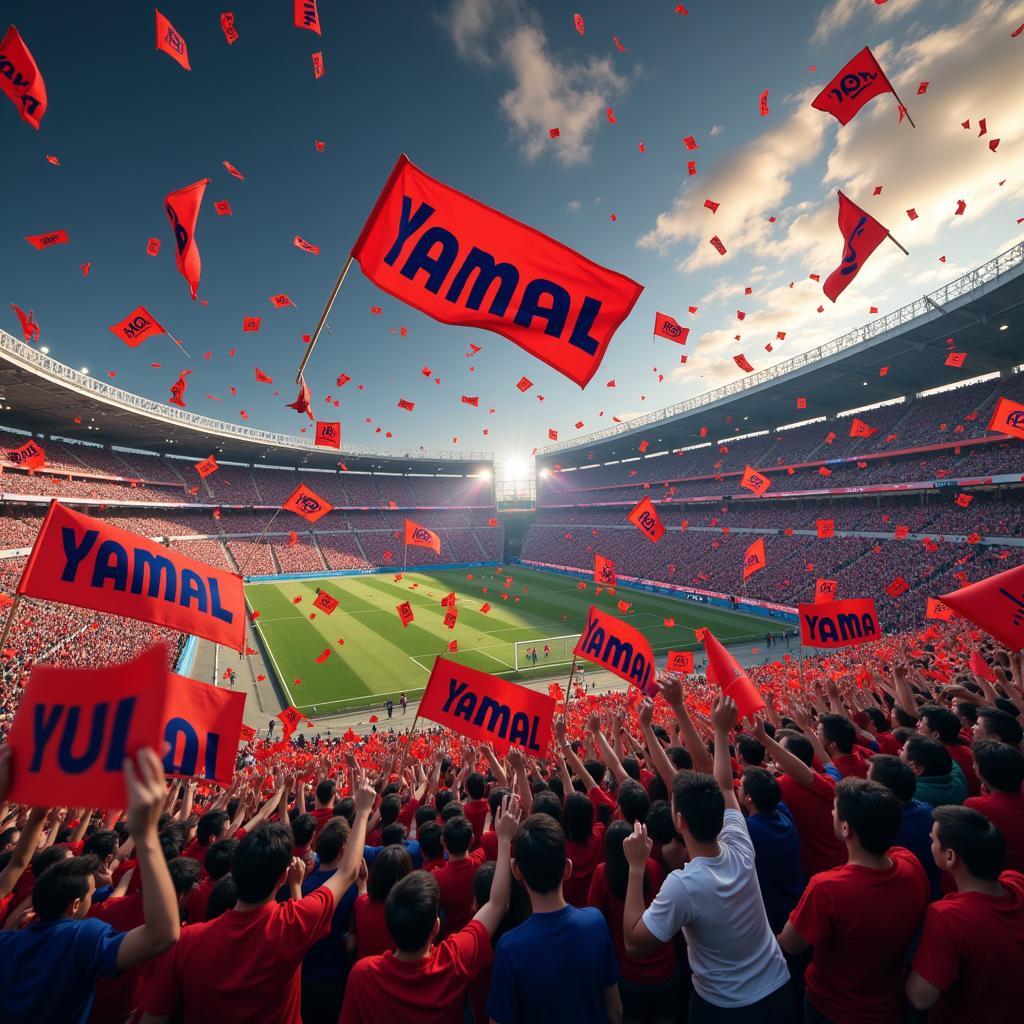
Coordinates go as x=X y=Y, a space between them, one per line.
x=680 y=662
x=839 y=623
x=202 y=726
x=618 y=647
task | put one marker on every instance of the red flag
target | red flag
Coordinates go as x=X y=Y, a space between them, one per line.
x=491 y=272
x=861 y=80
x=171 y=43
x=290 y=719
x=20 y=78
x=261 y=377
x=826 y=528
x=301 y=404
x=825 y=590
x=897 y=587
x=754 y=560
x=251 y=323
x=743 y=363
x=178 y=389
x=207 y=466
x=89 y=563
x=667 y=327
x=325 y=602
x=755 y=481
x=838 y=623
x=858 y=428
x=405 y=613
x=29 y=327
x=29 y=456
x=318 y=64
x=227 y=24
x=936 y=609
x=281 y=301
x=680 y=662
x=862 y=235
x=996 y=604
x=448 y=601
x=604 y=571
x=153 y=247
x=203 y=724
x=453 y=646
x=246 y=734
x=1008 y=418
x=307 y=503
x=136 y=327
x=644 y=517
x=622 y=649
x=306 y=15
x=487 y=708
x=725 y=670
x=980 y=667
x=182 y=209
x=420 y=537
x=50 y=239
x=301 y=243
x=328 y=435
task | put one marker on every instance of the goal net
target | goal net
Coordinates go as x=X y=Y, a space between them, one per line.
x=549 y=650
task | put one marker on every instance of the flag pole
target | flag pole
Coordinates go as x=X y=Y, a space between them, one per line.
x=323 y=317
x=897 y=244
x=902 y=104
x=10 y=620
x=256 y=543
x=568 y=695
x=176 y=342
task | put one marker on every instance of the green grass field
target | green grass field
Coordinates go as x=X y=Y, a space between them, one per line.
x=381 y=657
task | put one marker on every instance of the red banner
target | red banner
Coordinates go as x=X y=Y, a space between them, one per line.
x=858 y=428
x=604 y=572
x=466 y=264
x=838 y=623
x=29 y=456
x=861 y=80
x=666 y=326
x=726 y=671
x=29 y=327
x=825 y=590
x=936 y=609
x=183 y=211
x=618 y=647
x=680 y=662
x=178 y=389
x=325 y=603
x=996 y=604
x=307 y=16
x=644 y=517
x=1008 y=418
x=202 y=728
x=420 y=537
x=168 y=40
x=328 y=435
x=20 y=79
x=451 y=617
x=754 y=560
x=74 y=728
x=307 y=503
x=405 y=613
x=487 y=708
x=755 y=481
x=136 y=327
x=89 y=563
x=50 y=239
x=207 y=466
x=862 y=235
x=301 y=403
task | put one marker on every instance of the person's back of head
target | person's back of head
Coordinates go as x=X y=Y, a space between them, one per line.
x=223 y=896
x=410 y=910
x=869 y=812
x=429 y=837
x=172 y=839
x=878 y=719
x=539 y=854
x=519 y=900
x=615 y=864
x=749 y=750
x=1000 y=766
x=184 y=872
x=941 y=721
x=962 y=836
x=217 y=859
x=578 y=818
x=442 y=798
x=390 y=807
x=211 y=826
x=476 y=785
x=330 y=843
x=891 y=772
x=423 y=815
x=631 y=766
x=697 y=799
x=394 y=833
x=457 y=833
x=903 y=718
x=102 y=844
x=546 y=802
x=260 y=861
x=760 y=787
x=797 y=744
x=65 y=888
x=838 y=730
x=325 y=791
x=452 y=809
x=680 y=758
x=346 y=808
x=928 y=755
x=596 y=770
x=45 y=859
x=1001 y=726
x=304 y=828
x=660 y=826
x=495 y=798
x=391 y=864
x=633 y=801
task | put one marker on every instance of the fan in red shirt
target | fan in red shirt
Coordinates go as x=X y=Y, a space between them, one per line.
x=369 y=935
x=455 y=879
x=475 y=809
x=860 y=918
x=1001 y=769
x=967 y=963
x=244 y=965
x=584 y=846
x=324 y=806
x=217 y=863
x=838 y=736
x=420 y=981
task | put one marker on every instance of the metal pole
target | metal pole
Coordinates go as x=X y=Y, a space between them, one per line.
x=323 y=317
x=898 y=246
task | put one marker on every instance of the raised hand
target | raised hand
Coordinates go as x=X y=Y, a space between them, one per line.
x=723 y=714
x=645 y=712
x=146 y=791
x=637 y=847
x=507 y=820
x=671 y=689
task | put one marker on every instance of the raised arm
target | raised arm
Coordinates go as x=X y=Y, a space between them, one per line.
x=348 y=869
x=672 y=690
x=608 y=755
x=23 y=852
x=789 y=763
x=658 y=758
x=723 y=718
x=505 y=824
x=495 y=765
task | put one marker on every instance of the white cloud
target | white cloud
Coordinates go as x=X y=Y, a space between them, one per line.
x=839 y=13
x=573 y=205
x=716 y=129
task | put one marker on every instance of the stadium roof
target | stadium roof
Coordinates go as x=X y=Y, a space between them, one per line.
x=843 y=373
x=39 y=394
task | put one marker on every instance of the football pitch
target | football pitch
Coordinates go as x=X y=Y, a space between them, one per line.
x=381 y=658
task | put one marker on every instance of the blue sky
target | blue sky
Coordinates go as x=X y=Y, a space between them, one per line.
x=469 y=90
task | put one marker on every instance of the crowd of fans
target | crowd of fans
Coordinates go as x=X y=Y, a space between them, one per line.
x=854 y=853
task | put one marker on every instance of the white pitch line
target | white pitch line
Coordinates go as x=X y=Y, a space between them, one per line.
x=479 y=650
x=420 y=663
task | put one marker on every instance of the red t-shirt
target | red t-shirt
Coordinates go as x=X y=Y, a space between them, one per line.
x=888 y=744
x=322 y=815
x=851 y=765
x=433 y=864
x=489 y=844
x=861 y=922
x=428 y=991
x=370 y=928
x=585 y=858
x=476 y=812
x=657 y=966
x=243 y=965
x=456 y=882
x=1006 y=812
x=198 y=901
x=408 y=812
x=117 y=997
x=964 y=757
x=598 y=797
x=971 y=948
x=811 y=805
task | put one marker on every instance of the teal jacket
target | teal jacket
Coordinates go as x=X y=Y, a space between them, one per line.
x=937 y=790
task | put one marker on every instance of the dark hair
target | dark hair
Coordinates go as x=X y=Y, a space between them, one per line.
x=967 y=711
x=45 y=859
x=495 y=798
x=331 y=840
x=410 y=910
x=631 y=766
x=873 y=813
x=539 y=852
x=391 y=864
x=577 y=818
x=838 y=729
x=930 y=755
x=878 y=719
x=346 y=808
x=1005 y=726
x=223 y=896
x=442 y=798
x=476 y=785
x=546 y=802
x=760 y=785
x=797 y=744
x=394 y=833
x=942 y=721
x=260 y=859
x=452 y=809
x=61 y=884
x=903 y=718
x=458 y=834
x=660 y=826
x=430 y=840
x=596 y=770
x=210 y=826
x=217 y=859
x=1000 y=766
x=892 y=773
x=974 y=839
x=172 y=839
x=390 y=807
x=6 y=836
x=699 y=801
x=184 y=873
x=325 y=791
x=750 y=749
x=633 y=801
x=304 y=828
x=615 y=864
x=102 y=843
x=519 y=899
x=423 y=815
x=680 y=758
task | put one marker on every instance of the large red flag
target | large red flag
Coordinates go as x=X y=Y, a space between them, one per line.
x=862 y=235
x=168 y=40
x=755 y=481
x=301 y=404
x=202 y=730
x=29 y=456
x=727 y=672
x=206 y=467
x=754 y=560
x=858 y=428
x=183 y=211
x=838 y=623
x=618 y=647
x=136 y=327
x=996 y=604
x=825 y=590
x=680 y=662
x=464 y=263
x=29 y=327
x=89 y=563
x=307 y=16
x=328 y=435
x=307 y=503
x=604 y=571
x=861 y=80
x=325 y=602
x=666 y=326
x=178 y=389
x=1008 y=418
x=644 y=517
x=420 y=537
x=20 y=78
